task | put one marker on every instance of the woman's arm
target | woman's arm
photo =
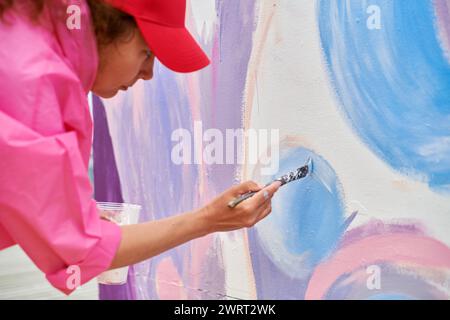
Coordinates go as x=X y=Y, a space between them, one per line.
x=143 y=241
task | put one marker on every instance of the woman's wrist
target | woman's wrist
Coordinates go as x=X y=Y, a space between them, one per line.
x=202 y=224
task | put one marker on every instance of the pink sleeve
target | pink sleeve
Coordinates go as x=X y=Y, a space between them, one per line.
x=46 y=203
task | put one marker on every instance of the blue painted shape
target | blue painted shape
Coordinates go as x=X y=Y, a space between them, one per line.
x=307 y=217
x=393 y=83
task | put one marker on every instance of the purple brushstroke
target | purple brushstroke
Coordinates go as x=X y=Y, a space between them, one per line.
x=270 y=282
x=443 y=12
x=377 y=227
x=232 y=46
x=106 y=176
x=152 y=179
x=107 y=186
x=349 y=221
x=234 y=38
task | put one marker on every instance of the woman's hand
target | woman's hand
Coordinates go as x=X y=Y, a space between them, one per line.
x=217 y=216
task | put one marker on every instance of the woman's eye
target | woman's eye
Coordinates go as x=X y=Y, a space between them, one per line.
x=148 y=53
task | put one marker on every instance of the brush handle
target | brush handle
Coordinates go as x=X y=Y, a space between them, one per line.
x=233 y=203
x=291 y=176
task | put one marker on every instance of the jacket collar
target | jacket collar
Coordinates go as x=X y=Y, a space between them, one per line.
x=78 y=45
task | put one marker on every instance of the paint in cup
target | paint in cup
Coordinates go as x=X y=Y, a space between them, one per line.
x=122 y=214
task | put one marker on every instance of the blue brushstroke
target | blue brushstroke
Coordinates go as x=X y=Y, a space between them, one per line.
x=393 y=83
x=306 y=214
x=391 y=296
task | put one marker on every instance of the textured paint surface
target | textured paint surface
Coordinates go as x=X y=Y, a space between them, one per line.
x=389 y=247
x=313 y=219
x=141 y=124
x=394 y=83
x=371 y=107
x=306 y=225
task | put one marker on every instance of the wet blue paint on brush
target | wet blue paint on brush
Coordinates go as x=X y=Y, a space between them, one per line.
x=294 y=175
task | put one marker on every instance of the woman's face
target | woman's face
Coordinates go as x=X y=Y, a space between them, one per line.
x=121 y=64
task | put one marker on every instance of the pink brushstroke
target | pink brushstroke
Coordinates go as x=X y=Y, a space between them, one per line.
x=169 y=285
x=400 y=248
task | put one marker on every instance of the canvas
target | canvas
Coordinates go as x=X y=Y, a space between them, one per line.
x=360 y=87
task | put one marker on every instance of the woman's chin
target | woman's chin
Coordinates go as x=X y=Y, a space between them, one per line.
x=106 y=94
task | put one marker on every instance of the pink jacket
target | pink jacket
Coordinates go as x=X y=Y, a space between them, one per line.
x=46 y=204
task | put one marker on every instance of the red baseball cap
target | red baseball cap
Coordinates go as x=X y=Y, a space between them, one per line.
x=162 y=23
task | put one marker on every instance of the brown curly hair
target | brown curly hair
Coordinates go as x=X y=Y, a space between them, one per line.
x=109 y=23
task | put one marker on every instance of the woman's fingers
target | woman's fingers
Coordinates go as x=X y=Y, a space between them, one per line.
x=244 y=187
x=252 y=216
x=265 y=212
x=267 y=193
x=264 y=195
x=260 y=205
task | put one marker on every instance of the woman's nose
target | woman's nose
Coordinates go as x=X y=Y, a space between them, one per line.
x=147 y=69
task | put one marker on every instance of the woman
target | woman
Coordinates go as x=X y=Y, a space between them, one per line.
x=47 y=68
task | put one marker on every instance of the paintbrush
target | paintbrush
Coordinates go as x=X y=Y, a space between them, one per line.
x=289 y=177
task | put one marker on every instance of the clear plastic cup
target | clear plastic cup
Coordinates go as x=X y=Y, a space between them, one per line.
x=121 y=214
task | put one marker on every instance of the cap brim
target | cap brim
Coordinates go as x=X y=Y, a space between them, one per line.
x=174 y=47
